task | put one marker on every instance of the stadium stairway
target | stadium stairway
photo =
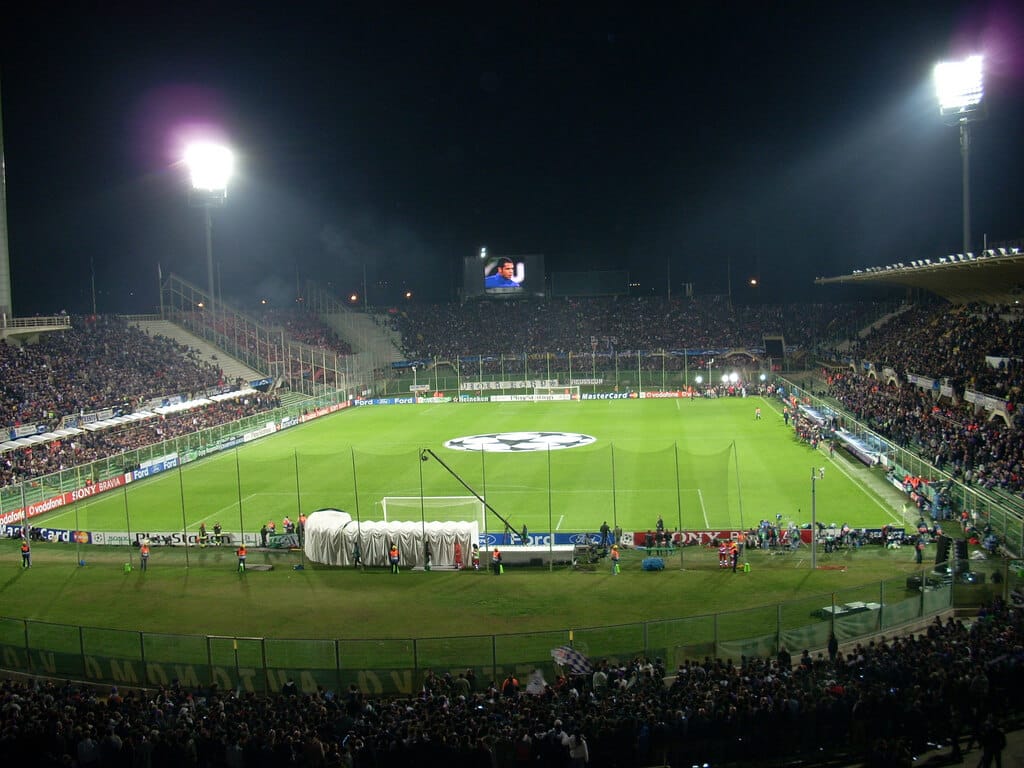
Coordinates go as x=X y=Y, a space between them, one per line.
x=375 y=345
x=233 y=369
x=289 y=398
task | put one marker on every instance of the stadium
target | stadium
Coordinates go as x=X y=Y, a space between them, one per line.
x=652 y=529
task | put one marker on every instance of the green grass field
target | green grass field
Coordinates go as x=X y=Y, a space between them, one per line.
x=189 y=612
x=701 y=465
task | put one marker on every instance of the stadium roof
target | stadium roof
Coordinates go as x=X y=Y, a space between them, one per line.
x=992 y=277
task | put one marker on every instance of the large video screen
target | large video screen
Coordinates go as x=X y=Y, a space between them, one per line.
x=504 y=276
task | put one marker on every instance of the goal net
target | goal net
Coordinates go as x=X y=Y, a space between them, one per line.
x=449 y=508
x=567 y=392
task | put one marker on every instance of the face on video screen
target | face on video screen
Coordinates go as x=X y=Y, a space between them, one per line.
x=502 y=274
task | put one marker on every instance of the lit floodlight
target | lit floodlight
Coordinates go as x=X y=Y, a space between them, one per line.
x=210 y=166
x=725 y=378
x=699 y=379
x=734 y=377
x=959 y=86
x=763 y=377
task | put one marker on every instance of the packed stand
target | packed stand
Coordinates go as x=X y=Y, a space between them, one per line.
x=608 y=324
x=272 y=347
x=306 y=328
x=100 y=362
x=952 y=343
x=885 y=700
x=26 y=464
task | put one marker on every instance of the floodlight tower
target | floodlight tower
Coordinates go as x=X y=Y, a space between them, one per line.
x=210 y=166
x=959 y=86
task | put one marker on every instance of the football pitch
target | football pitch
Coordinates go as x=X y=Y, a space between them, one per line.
x=552 y=466
x=701 y=465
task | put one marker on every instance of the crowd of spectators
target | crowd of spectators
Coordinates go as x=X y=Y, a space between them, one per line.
x=955 y=345
x=305 y=328
x=952 y=342
x=607 y=324
x=884 y=700
x=44 y=458
x=293 y=343
x=100 y=362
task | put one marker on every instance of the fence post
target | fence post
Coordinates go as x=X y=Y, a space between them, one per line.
x=778 y=627
x=494 y=657
x=28 y=649
x=209 y=657
x=263 y=661
x=715 y=635
x=881 y=603
x=142 y=655
x=337 y=665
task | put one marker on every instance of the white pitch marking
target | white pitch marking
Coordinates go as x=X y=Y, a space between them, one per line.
x=703 y=509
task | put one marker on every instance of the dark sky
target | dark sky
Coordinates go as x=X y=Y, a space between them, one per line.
x=787 y=142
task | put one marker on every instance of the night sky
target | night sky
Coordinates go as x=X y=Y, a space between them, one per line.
x=670 y=140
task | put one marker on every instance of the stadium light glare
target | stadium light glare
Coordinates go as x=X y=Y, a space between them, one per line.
x=699 y=379
x=960 y=85
x=960 y=89
x=210 y=167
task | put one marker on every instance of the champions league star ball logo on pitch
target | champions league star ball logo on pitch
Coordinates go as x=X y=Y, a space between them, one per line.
x=520 y=442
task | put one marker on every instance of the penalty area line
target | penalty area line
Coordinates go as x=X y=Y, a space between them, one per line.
x=560 y=519
x=703 y=509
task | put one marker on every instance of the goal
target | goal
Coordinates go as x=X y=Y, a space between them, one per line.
x=451 y=508
x=567 y=392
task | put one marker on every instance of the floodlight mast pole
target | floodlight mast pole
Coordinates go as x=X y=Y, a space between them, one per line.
x=965 y=155
x=960 y=87
x=210 y=166
x=209 y=255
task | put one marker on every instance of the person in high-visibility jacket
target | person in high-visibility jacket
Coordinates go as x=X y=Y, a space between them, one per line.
x=241 y=553
x=26 y=554
x=144 y=554
x=394 y=558
x=458 y=556
x=496 y=561
x=615 y=558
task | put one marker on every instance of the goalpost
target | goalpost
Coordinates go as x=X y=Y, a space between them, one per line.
x=566 y=392
x=446 y=508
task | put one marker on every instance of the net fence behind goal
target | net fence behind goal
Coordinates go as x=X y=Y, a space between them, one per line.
x=443 y=508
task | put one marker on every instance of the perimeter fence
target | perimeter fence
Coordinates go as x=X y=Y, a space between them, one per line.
x=396 y=666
